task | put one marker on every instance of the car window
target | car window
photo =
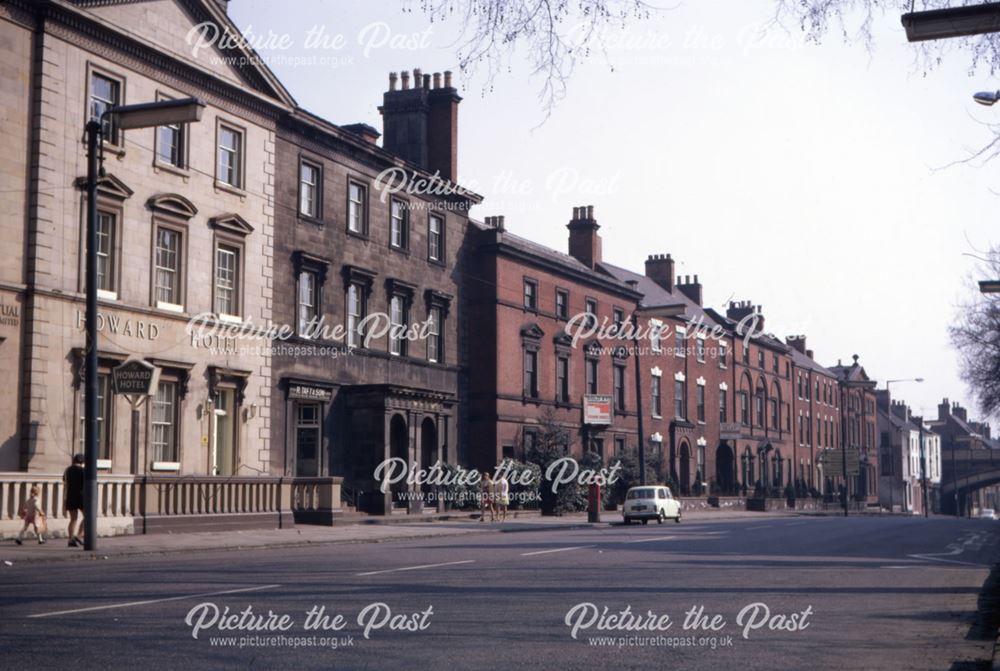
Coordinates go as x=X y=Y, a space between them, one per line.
x=641 y=494
x=661 y=493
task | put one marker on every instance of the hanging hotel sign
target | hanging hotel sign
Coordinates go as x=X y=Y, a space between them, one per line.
x=135 y=379
x=596 y=409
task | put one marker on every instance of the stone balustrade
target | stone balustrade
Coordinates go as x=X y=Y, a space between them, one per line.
x=146 y=504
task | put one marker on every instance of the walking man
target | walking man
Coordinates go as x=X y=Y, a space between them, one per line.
x=73 y=480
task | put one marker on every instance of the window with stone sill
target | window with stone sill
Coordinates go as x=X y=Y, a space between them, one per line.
x=435 y=238
x=105 y=92
x=229 y=167
x=357 y=208
x=310 y=189
x=399 y=225
x=562 y=304
x=530 y=295
x=531 y=373
x=562 y=379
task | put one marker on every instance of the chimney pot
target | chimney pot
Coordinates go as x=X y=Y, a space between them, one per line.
x=437 y=80
x=417 y=79
x=392 y=81
x=427 y=82
x=447 y=79
x=405 y=76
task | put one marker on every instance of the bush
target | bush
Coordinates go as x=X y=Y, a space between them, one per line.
x=458 y=495
x=522 y=495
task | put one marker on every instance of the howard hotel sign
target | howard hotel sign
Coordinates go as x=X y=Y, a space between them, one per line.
x=122 y=325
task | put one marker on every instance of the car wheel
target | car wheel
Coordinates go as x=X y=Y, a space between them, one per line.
x=678 y=518
x=660 y=517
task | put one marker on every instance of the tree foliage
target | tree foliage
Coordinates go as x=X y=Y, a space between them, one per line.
x=976 y=336
x=552 y=443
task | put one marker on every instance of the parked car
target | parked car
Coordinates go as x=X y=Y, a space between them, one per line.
x=987 y=514
x=651 y=502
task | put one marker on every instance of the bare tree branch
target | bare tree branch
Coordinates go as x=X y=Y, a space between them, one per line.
x=555 y=35
x=976 y=336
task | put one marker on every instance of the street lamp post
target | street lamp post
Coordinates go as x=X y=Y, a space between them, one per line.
x=936 y=24
x=923 y=468
x=990 y=286
x=123 y=117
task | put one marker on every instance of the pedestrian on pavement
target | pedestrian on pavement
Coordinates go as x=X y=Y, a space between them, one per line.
x=503 y=496
x=31 y=512
x=73 y=480
x=486 y=497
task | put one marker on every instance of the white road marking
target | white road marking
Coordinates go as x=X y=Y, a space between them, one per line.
x=129 y=604
x=947 y=561
x=969 y=541
x=415 y=568
x=545 y=552
x=652 y=540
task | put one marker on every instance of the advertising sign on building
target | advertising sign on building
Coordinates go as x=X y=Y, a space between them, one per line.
x=596 y=409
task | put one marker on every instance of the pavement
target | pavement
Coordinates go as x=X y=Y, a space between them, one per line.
x=386 y=529
x=749 y=591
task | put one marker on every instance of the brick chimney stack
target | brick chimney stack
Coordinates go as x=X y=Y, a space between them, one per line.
x=690 y=287
x=944 y=410
x=584 y=242
x=738 y=311
x=959 y=412
x=660 y=269
x=798 y=343
x=420 y=124
x=442 y=127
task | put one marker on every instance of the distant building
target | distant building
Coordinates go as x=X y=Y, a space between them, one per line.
x=909 y=457
x=857 y=399
x=957 y=432
x=524 y=368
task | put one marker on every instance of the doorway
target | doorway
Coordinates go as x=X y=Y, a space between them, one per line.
x=223 y=433
x=307 y=439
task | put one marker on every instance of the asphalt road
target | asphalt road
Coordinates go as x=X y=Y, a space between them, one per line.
x=861 y=593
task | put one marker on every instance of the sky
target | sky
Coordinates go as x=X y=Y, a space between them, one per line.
x=809 y=179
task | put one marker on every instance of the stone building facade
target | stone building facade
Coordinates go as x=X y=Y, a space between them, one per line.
x=185 y=228
x=355 y=250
